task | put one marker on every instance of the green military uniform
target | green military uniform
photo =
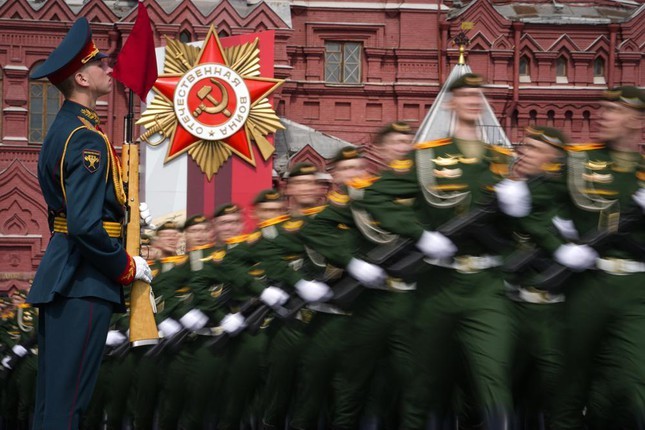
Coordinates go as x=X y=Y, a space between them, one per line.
x=229 y=271
x=538 y=317
x=284 y=260
x=604 y=307
x=20 y=380
x=460 y=299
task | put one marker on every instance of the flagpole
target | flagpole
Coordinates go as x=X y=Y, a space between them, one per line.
x=129 y=118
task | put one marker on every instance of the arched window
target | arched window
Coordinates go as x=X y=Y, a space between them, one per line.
x=599 y=70
x=532 y=117
x=561 y=70
x=185 y=36
x=44 y=102
x=550 y=118
x=525 y=69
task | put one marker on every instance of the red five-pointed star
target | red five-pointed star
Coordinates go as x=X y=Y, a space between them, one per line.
x=182 y=139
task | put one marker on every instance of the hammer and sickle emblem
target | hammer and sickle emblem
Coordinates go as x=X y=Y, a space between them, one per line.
x=92 y=159
x=204 y=93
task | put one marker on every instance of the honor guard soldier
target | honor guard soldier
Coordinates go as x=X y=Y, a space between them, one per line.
x=605 y=307
x=80 y=280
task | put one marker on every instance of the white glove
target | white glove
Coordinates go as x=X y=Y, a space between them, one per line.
x=194 y=319
x=435 y=245
x=142 y=270
x=169 y=327
x=366 y=273
x=514 y=197
x=639 y=198
x=6 y=361
x=144 y=216
x=566 y=228
x=233 y=323
x=313 y=291
x=576 y=257
x=19 y=350
x=115 y=338
x=274 y=296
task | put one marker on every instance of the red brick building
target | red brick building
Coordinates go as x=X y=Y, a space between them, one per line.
x=350 y=66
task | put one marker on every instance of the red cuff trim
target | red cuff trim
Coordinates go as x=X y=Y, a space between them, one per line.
x=127 y=276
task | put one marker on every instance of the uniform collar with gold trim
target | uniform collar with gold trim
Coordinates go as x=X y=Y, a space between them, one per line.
x=338 y=198
x=236 y=239
x=313 y=211
x=579 y=147
x=363 y=182
x=401 y=166
x=82 y=112
x=273 y=221
x=433 y=143
x=201 y=247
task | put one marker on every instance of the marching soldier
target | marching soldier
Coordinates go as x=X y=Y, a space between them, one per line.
x=460 y=302
x=605 y=307
x=538 y=316
x=381 y=315
x=80 y=280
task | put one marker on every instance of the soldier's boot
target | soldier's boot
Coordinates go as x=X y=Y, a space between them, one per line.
x=498 y=420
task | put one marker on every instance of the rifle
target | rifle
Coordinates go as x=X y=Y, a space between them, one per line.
x=118 y=351
x=552 y=278
x=252 y=310
x=143 y=329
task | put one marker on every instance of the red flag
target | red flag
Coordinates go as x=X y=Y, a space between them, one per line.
x=136 y=65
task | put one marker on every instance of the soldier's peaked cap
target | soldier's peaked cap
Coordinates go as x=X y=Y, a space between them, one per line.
x=76 y=49
x=194 y=220
x=468 y=80
x=168 y=225
x=302 y=169
x=267 y=196
x=227 y=209
x=548 y=135
x=346 y=153
x=628 y=95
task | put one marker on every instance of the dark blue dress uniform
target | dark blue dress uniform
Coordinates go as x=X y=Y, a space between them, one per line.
x=78 y=284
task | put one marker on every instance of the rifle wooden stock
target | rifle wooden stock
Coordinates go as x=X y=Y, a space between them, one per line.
x=143 y=329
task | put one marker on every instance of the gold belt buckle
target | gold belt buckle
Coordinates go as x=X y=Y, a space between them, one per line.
x=465 y=264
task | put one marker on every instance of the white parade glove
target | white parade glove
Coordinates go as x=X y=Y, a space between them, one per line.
x=19 y=350
x=366 y=273
x=313 y=291
x=639 y=198
x=566 y=228
x=6 y=361
x=576 y=257
x=143 y=272
x=233 y=323
x=514 y=197
x=274 y=296
x=144 y=216
x=194 y=319
x=435 y=245
x=169 y=327
x=115 y=338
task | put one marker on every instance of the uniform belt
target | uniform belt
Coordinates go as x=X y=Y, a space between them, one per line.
x=468 y=263
x=326 y=308
x=209 y=331
x=620 y=266
x=113 y=229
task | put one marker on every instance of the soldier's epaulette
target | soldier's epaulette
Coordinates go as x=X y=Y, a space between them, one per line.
x=217 y=256
x=342 y=226
x=87 y=124
x=433 y=143
x=24 y=306
x=293 y=225
x=254 y=237
x=501 y=150
x=401 y=166
x=363 y=182
x=640 y=175
x=273 y=221
x=236 y=239
x=313 y=211
x=201 y=247
x=500 y=169
x=256 y=272
x=581 y=147
x=339 y=199
x=182 y=290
